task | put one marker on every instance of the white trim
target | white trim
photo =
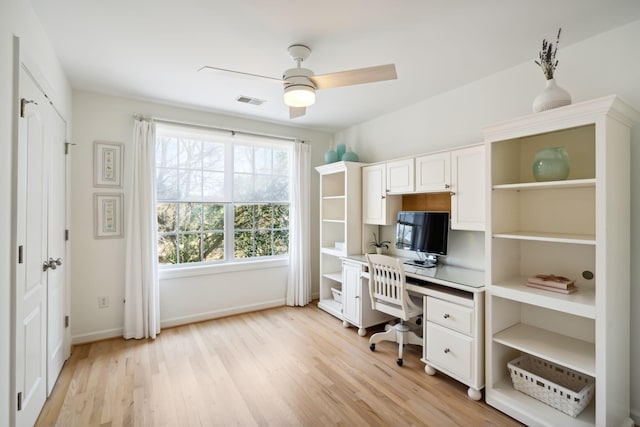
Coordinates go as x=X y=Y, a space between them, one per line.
x=228 y=267
x=96 y=336
x=216 y=314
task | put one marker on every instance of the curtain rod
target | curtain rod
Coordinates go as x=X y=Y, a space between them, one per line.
x=138 y=116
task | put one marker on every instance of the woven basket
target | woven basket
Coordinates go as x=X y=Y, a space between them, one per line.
x=561 y=388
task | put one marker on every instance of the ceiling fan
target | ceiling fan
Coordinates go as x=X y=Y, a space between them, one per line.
x=300 y=84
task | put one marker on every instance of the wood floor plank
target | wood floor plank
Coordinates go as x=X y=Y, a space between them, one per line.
x=279 y=367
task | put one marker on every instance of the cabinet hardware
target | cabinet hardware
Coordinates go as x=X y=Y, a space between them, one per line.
x=20 y=401
x=447 y=186
x=446 y=350
x=446 y=315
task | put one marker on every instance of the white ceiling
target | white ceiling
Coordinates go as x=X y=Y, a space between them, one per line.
x=152 y=49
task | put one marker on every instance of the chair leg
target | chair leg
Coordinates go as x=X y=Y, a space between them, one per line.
x=389 y=335
x=401 y=340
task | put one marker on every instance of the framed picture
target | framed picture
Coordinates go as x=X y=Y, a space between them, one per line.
x=108 y=159
x=108 y=215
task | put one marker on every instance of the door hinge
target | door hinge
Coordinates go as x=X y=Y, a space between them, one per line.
x=67 y=145
x=20 y=401
x=20 y=254
x=66 y=235
x=24 y=102
x=66 y=321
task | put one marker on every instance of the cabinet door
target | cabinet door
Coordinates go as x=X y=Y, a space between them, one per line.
x=467 y=186
x=377 y=207
x=400 y=176
x=433 y=173
x=351 y=293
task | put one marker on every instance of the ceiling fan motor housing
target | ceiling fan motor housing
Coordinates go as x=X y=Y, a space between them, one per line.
x=298 y=77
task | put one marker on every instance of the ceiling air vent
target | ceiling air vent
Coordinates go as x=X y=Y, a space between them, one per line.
x=249 y=100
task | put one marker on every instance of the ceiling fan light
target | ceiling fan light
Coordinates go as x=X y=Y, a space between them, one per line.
x=299 y=96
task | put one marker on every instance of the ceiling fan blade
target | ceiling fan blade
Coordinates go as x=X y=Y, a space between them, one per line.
x=354 y=77
x=295 y=112
x=207 y=67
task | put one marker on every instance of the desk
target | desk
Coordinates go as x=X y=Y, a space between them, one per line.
x=453 y=327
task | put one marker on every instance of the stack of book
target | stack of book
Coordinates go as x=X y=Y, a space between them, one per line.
x=552 y=283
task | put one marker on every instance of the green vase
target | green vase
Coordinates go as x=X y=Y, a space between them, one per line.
x=551 y=164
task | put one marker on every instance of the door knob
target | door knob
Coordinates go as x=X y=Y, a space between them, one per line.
x=51 y=264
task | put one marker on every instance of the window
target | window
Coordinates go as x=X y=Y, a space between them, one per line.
x=220 y=197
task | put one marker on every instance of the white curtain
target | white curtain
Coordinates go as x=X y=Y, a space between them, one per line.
x=299 y=285
x=142 y=299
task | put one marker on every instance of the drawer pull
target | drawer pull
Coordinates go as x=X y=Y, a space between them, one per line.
x=446 y=315
x=446 y=350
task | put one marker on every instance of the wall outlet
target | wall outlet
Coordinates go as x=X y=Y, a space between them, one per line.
x=103 y=302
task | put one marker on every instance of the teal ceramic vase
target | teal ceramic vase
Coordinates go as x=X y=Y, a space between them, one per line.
x=551 y=164
x=350 y=156
x=330 y=156
x=341 y=149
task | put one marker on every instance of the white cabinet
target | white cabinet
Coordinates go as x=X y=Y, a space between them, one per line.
x=357 y=310
x=433 y=173
x=573 y=228
x=468 y=188
x=340 y=226
x=400 y=176
x=378 y=207
x=453 y=334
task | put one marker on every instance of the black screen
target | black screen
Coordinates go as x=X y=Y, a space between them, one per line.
x=423 y=231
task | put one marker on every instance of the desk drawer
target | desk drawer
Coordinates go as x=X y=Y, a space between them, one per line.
x=450 y=315
x=449 y=350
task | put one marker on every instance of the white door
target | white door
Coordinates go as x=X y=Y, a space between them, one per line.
x=400 y=176
x=56 y=351
x=433 y=172
x=467 y=182
x=374 y=181
x=31 y=280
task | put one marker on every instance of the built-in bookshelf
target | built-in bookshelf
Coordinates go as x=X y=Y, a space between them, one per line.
x=578 y=228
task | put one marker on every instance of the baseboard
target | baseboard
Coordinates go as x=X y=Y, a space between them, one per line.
x=209 y=315
x=96 y=336
x=177 y=321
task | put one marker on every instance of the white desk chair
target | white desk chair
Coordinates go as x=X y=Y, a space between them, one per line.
x=388 y=292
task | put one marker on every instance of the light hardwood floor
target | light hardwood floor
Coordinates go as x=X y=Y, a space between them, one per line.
x=280 y=367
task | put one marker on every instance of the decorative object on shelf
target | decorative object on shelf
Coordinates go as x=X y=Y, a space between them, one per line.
x=562 y=388
x=349 y=156
x=551 y=282
x=337 y=295
x=551 y=164
x=553 y=96
x=331 y=155
x=341 y=149
x=379 y=245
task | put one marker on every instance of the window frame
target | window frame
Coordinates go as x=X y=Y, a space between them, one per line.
x=229 y=139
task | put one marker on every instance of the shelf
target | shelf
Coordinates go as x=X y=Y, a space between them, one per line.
x=331 y=306
x=337 y=221
x=581 y=303
x=573 y=183
x=336 y=277
x=338 y=197
x=578 y=239
x=561 y=349
x=533 y=412
x=332 y=251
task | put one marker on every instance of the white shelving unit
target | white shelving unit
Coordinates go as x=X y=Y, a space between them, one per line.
x=340 y=223
x=575 y=228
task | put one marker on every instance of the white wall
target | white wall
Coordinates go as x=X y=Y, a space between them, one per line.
x=603 y=65
x=17 y=18
x=98 y=265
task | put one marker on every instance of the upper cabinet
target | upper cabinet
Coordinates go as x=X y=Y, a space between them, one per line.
x=467 y=188
x=433 y=173
x=400 y=176
x=378 y=207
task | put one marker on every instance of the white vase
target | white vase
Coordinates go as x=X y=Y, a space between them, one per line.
x=553 y=96
x=379 y=251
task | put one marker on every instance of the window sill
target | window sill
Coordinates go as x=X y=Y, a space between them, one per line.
x=229 y=267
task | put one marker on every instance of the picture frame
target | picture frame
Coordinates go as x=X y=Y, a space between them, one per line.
x=108 y=215
x=108 y=161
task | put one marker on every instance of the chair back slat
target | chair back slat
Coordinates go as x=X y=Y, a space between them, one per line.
x=387 y=286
